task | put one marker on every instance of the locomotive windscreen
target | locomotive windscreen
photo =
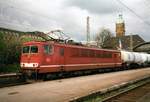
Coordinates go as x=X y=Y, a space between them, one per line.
x=30 y=49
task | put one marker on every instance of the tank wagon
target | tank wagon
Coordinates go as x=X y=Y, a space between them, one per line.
x=135 y=58
x=42 y=58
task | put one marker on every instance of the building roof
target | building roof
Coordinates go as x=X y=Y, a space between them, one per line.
x=143 y=47
x=113 y=43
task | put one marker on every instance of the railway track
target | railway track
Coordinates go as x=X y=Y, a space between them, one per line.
x=11 y=79
x=139 y=94
x=134 y=91
x=79 y=89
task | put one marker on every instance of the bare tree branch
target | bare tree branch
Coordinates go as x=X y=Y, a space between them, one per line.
x=103 y=35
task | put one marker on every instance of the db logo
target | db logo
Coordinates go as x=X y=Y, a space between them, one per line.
x=48 y=59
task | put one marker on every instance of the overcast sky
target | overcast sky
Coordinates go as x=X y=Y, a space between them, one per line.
x=70 y=16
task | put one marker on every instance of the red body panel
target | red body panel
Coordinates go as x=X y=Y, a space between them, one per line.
x=66 y=57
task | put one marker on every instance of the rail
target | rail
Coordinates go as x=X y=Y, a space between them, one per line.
x=11 y=79
x=106 y=94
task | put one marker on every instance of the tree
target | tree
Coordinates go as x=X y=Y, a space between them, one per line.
x=10 y=49
x=2 y=48
x=103 y=35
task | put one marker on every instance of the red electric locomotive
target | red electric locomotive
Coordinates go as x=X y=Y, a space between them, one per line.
x=52 y=57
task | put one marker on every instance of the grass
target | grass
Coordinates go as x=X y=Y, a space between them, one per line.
x=11 y=68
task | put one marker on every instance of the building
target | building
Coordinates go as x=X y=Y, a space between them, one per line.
x=113 y=43
x=120 y=26
x=127 y=42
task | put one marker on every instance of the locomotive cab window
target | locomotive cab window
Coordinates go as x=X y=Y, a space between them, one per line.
x=34 y=49
x=48 y=49
x=25 y=49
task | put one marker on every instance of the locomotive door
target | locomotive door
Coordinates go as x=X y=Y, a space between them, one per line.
x=47 y=55
x=62 y=58
x=115 y=59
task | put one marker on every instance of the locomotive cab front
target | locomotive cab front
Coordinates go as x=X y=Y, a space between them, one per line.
x=35 y=54
x=31 y=58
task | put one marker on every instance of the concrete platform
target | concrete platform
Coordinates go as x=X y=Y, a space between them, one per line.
x=67 y=89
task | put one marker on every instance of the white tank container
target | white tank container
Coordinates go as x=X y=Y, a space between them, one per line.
x=148 y=58
x=127 y=57
x=137 y=57
x=144 y=57
x=124 y=56
x=134 y=57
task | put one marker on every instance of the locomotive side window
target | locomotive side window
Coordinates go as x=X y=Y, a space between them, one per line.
x=47 y=49
x=34 y=49
x=62 y=51
x=91 y=53
x=75 y=52
x=84 y=53
x=25 y=49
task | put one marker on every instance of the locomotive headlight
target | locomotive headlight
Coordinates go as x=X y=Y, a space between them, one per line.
x=29 y=64
x=35 y=65
x=22 y=64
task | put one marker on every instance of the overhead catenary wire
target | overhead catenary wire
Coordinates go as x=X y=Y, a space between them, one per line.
x=132 y=11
